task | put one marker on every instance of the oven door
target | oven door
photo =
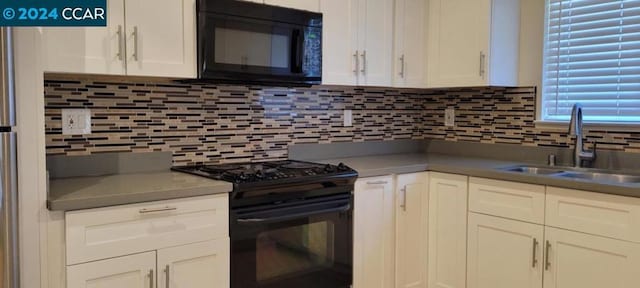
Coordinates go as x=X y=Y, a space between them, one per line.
x=242 y=48
x=307 y=244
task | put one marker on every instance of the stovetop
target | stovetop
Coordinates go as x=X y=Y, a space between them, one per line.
x=273 y=172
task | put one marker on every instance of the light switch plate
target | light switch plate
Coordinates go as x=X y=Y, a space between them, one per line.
x=348 y=118
x=76 y=121
x=449 y=117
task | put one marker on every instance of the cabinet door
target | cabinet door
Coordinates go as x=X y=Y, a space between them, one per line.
x=161 y=41
x=97 y=50
x=373 y=233
x=412 y=219
x=309 y=5
x=447 y=230
x=587 y=261
x=504 y=253
x=340 y=57
x=204 y=264
x=458 y=42
x=410 y=61
x=375 y=39
x=133 y=271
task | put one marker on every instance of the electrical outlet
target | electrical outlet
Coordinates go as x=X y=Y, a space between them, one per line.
x=76 y=121
x=449 y=117
x=348 y=118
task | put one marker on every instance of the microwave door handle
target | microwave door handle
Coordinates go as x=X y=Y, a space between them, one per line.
x=296 y=51
x=292 y=216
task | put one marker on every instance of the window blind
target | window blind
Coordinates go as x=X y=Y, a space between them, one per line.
x=592 y=56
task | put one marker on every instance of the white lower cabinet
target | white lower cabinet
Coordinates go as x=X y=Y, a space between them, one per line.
x=586 y=261
x=412 y=220
x=390 y=231
x=132 y=271
x=180 y=243
x=447 y=230
x=373 y=237
x=199 y=265
x=504 y=253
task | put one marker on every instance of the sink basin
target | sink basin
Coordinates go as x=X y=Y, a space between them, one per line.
x=534 y=170
x=593 y=175
x=601 y=177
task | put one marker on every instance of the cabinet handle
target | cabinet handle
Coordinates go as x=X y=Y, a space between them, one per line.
x=151 y=278
x=135 y=43
x=355 y=56
x=154 y=210
x=382 y=182
x=402 y=66
x=364 y=62
x=482 y=64
x=403 y=205
x=119 y=33
x=547 y=262
x=166 y=276
x=534 y=263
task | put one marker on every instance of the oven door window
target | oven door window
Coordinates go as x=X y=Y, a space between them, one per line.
x=252 y=46
x=294 y=250
x=311 y=251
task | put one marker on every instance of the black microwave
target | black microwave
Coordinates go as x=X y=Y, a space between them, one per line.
x=245 y=42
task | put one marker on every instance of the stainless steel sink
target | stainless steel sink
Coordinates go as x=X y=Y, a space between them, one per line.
x=592 y=175
x=601 y=177
x=533 y=170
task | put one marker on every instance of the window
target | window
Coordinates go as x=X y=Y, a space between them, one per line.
x=592 y=56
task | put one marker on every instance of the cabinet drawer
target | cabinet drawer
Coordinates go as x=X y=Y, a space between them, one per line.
x=513 y=200
x=95 y=234
x=594 y=213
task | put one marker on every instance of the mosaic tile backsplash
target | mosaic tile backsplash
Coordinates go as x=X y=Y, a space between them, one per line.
x=225 y=123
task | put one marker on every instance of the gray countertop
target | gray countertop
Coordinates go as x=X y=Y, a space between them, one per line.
x=98 y=191
x=378 y=165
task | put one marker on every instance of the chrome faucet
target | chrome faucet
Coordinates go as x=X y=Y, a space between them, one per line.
x=575 y=129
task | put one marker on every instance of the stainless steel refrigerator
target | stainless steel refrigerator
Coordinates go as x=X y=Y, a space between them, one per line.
x=10 y=273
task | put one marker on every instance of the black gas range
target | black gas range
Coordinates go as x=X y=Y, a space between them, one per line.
x=291 y=223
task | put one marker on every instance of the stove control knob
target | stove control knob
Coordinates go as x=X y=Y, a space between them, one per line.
x=342 y=167
x=243 y=176
x=329 y=168
x=259 y=175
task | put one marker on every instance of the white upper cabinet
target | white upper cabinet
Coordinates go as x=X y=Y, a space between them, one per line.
x=473 y=42
x=410 y=53
x=137 y=41
x=375 y=39
x=412 y=223
x=309 y=5
x=96 y=50
x=162 y=41
x=504 y=253
x=358 y=42
x=339 y=42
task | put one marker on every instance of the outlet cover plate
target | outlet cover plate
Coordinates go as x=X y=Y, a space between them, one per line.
x=76 y=121
x=348 y=118
x=449 y=117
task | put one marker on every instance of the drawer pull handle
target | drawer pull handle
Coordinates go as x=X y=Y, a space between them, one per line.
x=155 y=210
x=166 y=275
x=534 y=263
x=404 y=198
x=547 y=263
x=151 y=278
x=377 y=182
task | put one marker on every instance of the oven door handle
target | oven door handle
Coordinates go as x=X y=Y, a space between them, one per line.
x=342 y=208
